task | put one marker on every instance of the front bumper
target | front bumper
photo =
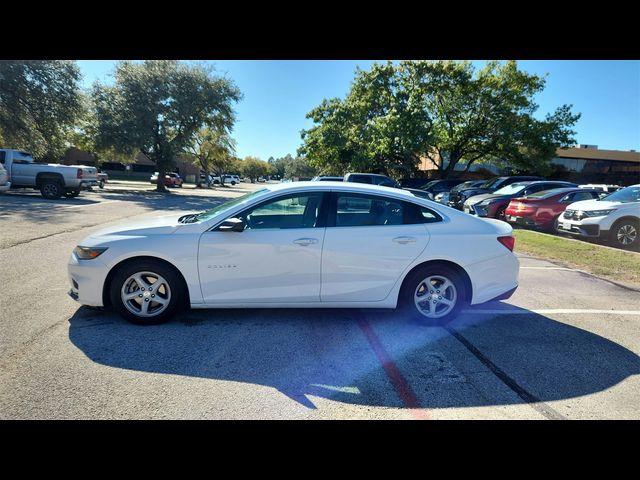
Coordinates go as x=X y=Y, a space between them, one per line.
x=5 y=187
x=87 y=278
x=584 y=228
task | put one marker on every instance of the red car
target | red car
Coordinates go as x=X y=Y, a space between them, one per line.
x=541 y=210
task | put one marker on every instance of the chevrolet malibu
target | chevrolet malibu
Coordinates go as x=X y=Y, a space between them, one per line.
x=296 y=245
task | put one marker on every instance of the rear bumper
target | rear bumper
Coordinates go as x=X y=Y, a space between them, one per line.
x=87 y=184
x=494 y=277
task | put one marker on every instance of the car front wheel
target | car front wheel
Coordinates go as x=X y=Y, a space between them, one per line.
x=146 y=292
x=433 y=294
x=625 y=233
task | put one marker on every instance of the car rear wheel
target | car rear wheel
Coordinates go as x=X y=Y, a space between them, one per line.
x=147 y=292
x=433 y=294
x=51 y=189
x=625 y=234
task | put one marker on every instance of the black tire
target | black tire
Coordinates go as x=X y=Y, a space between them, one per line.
x=500 y=214
x=625 y=230
x=101 y=184
x=416 y=279
x=120 y=280
x=554 y=225
x=51 y=189
x=72 y=193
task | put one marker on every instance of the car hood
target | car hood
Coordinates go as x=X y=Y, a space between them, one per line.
x=470 y=192
x=152 y=226
x=593 y=205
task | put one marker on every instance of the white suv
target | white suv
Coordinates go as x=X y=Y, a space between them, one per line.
x=615 y=218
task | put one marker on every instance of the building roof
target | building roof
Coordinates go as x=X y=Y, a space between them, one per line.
x=596 y=154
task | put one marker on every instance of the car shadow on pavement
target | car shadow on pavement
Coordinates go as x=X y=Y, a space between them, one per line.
x=326 y=353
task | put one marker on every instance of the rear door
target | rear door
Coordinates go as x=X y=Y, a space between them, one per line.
x=369 y=241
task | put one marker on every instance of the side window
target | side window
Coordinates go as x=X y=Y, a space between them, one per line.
x=417 y=214
x=360 y=179
x=578 y=196
x=356 y=210
x=292 y=211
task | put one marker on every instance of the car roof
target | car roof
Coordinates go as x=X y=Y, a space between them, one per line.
x=558 y=191
x=340 y=186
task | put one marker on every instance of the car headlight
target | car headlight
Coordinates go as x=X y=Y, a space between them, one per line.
x=598 y=213
x=485 y=203
x=88 y=253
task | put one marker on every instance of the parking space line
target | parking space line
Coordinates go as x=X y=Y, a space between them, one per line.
x=399 y=382
x=544 y=409
x=550 y=311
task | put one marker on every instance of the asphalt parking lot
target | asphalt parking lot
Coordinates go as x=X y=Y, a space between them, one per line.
x=565 y=346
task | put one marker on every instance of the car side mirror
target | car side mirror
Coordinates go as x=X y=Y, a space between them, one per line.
x=231 y=225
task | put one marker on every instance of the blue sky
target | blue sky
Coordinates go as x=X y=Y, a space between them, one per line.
x=279 y=93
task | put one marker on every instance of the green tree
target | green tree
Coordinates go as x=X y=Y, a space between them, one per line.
x=158 y=106
x=280 y=164
x=299 y=167
x=394 y=115
x=381 y=126
x=40 y=103
x=213 y=151
x=253 y=168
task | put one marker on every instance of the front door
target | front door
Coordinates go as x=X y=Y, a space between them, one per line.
x=276 y=259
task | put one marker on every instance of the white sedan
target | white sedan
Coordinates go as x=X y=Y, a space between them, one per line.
x=297 y=245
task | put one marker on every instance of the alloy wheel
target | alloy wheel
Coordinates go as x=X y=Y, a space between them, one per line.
x=146 y=294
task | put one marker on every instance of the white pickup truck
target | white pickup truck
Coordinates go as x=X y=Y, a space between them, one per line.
x=52 y=179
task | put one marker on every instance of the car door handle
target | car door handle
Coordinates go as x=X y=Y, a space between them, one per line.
x=305 y=241
x=404 y=240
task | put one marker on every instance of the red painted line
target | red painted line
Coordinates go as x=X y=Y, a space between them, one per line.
x=399 y=382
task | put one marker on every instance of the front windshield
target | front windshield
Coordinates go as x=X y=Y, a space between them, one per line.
x=491 y=182
x=512 y=189
x=626 y=195
x=428 y=184
x=209 y=214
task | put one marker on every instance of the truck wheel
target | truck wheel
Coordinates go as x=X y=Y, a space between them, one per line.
x=72 y=193
x=51 y=189
x=101 y=184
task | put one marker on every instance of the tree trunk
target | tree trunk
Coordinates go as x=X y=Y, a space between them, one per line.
x=160 y=185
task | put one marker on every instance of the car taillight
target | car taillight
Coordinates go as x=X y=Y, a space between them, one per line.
x=79 y=175
x=508 y=242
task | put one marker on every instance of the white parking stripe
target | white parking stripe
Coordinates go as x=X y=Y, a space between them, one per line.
x=552 y=311
x=90 y=204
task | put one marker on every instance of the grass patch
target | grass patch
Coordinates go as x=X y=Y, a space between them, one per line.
x=616 y=265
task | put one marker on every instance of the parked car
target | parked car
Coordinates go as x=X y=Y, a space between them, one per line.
x=443 y=197
x=102 y=178
x=435 y=187
x=170 y=179
x=326 y=178
x=602 y=187
x=494 y=205
x=279 y=247
x=458 y=197
x=5 y=184
x=174 y=180
x=614 y=218
x=371 y=179
x=52 y=179
x=543 y=209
